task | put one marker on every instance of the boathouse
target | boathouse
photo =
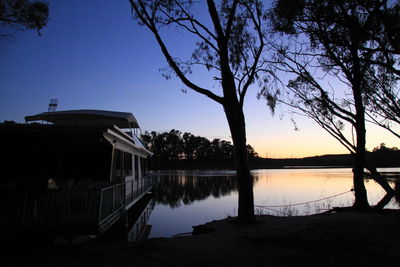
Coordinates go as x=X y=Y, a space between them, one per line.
x=76 y=170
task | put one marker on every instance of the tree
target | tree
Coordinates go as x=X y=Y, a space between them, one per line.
x=330 y=40
x=385 y=156
x=384 y=102
x=251 y=152
x=23 y=14
x=229 y=45
x=382 y=94
x=221 y=149
x=173 y=145
x=189 y=145
x=167 y=145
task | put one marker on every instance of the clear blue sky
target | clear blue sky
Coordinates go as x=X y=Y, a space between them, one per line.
x=92 y=55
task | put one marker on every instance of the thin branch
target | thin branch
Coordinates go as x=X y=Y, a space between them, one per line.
x=257 y=24
x=146 y=19
x=228 y=28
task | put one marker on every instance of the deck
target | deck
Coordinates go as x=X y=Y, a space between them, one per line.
x=78 y=211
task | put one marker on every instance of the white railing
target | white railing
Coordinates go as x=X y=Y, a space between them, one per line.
x=115 y=198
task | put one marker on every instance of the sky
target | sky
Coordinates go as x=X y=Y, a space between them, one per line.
x=92 y=55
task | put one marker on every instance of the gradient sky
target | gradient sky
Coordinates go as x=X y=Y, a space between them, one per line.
x=93 y=56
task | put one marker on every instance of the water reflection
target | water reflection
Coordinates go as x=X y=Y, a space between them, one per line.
x=185 y=199
x=177 y=190
x=137 y=226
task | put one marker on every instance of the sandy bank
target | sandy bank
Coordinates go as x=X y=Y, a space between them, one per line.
x=345 y=238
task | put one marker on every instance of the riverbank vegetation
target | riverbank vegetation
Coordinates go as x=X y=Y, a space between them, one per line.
x=175 y=150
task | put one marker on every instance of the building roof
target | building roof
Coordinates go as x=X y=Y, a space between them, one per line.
x=87 y=117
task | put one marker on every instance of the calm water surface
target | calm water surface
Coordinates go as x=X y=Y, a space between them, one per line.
x=187 y=198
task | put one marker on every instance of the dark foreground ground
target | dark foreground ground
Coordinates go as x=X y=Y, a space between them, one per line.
x=345 y=238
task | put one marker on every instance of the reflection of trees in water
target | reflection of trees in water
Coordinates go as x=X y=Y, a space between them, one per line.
x=175 y=190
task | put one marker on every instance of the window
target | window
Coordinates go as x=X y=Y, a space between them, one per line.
x=136 y=166
x=122 y=165
x=143 y=166
x=117 y=165
x=127 y=164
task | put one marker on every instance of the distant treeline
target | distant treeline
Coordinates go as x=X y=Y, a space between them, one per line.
x=177 y=150
x=381 y=156
x=384 y=156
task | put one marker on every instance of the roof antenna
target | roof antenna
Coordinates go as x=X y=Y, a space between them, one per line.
x=52 y=105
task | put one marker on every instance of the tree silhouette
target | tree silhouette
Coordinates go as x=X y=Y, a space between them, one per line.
x=384 y=102
x=229 y=44
x=190 y=145
x=167 y=145
x=23 y=14
x=385 y=156
x=251 y=152
x=174 y=145
x=330 y=40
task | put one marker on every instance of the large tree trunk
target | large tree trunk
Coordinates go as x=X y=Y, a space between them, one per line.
x=357 y=79
x=361 y=200
x=235 y=117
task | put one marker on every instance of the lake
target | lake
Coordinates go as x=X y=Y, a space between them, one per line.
x=183 y=199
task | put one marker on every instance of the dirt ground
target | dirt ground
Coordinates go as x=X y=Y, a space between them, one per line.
x=344 y=238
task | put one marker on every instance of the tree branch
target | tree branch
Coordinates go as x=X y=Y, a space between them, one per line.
x=146 y=19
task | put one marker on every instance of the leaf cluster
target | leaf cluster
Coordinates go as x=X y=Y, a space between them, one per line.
x=24 y=14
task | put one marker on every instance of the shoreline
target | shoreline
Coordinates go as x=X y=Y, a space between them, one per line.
x=343 y=238
x=289 y=167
